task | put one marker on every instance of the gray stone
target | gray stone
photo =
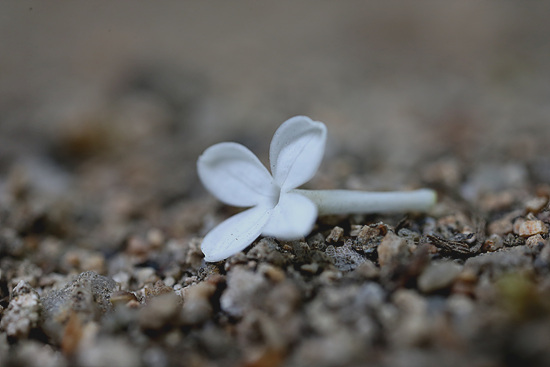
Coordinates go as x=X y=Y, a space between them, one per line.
x=438 y=275
x=243 y=286
x=501 y=262
x=344 y=257
x=88 y=296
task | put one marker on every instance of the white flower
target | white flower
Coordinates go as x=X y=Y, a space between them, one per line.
x=234 y=175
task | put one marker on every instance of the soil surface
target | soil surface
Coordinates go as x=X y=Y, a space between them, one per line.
x=105 y=109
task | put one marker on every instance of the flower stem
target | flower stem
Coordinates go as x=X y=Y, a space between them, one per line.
x=361 y=202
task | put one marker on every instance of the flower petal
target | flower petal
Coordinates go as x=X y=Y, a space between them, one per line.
x=234 y=234
x=292 y=218
x=296 y=151
x=234 y=175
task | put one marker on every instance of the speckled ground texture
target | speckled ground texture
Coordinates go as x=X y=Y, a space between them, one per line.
x=104 y=109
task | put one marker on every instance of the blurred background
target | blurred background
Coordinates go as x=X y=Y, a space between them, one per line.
x=105 y=107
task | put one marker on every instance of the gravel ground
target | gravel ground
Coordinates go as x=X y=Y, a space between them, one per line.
x=105 y=109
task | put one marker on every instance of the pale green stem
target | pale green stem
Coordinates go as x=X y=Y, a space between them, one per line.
x=361 y=202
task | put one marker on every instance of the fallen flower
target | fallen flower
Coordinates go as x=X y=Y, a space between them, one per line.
x=234 y=175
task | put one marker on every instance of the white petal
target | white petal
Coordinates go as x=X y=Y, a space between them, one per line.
x=292 y=218
x=296 y=151
x=234 y=175
x=234 y=234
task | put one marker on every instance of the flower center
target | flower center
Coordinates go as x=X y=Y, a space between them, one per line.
x=275 y=196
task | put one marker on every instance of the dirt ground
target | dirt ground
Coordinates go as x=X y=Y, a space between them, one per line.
x=104 y=109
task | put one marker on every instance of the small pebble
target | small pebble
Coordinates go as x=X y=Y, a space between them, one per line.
x=438 y=275
x=23 y=312
x=344 y=257
x=493 y=243
x=312 y=268
x=123 y=279
x=243 y=286
x=122 y=298
x=536 y=204
x=497 y=201
x=136 y=246
x=145 y=276
x=197 y=307
x=518 y=223
x=501 y=226
x=535 y=242
x=169 y=281
x=155 y=238
x=371 y=232
x=367 y=270
x=355 y=230
x=532 y=227
x=335 y=235
x=160 y=311
x=88 y=295
x=391 y=249
x=83 y=260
